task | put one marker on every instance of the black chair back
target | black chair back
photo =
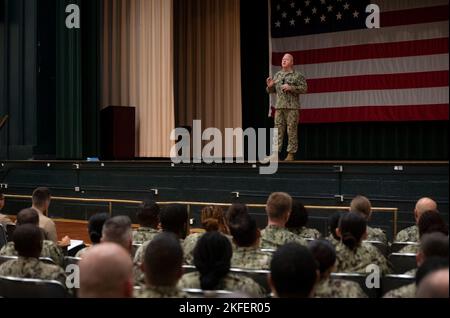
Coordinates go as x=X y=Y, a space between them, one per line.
x=11 y=287
x=402 y=263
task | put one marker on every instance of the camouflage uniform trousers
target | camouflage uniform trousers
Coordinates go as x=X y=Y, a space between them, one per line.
x=28 y=267
x=49 y=249
x=231 y=282
x=287 y=119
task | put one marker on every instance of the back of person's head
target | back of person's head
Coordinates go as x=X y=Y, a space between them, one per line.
x=28 y=240
x=41 y=197
x=325 y=255
x=148 y=214
x=298 y=217
x=431 y=264
x=431 y=221
x=163 y=260
x=293 y=271
x=106 y=272
x=95 y=226
x=212 y=258
x=244 y=230
x=360 y=204
x=236 y=210
x=175 y=218
x=118 y=230
x=27 y=216
x=434 y=244
x=213 y=219
x=434 y=285
x=279 y=206
x=352 y=229
x=423 y=205
x=333 y=224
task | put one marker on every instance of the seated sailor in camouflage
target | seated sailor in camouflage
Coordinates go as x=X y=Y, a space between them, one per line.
x=327 y=287
x=49 y=248
x=212 y=219
x=411 y=234
x=174 y=219
x=106 y=272
x=354 y=255
x=362 y=205
x=429 y=222
x=430 y=265
x=212 y=259
x=163 y=261
x=293 y=272
x=28 y=241
x=148 y=218
x=298 y=220
x=95 y=227
x=246 y=237
x=287 y=84
x=278 y=208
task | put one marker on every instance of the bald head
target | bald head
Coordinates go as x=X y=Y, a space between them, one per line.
x=423 y=205
x=106 y=272
x=435 y=285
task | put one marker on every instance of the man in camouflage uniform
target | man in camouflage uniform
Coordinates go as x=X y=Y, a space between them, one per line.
x=49 y=248
x=163 y=262
x=411 y=234
x=362 y=205
x=106 y=272
x=287 y=84
x=148 y=218
x=28 y=243
x=278 y=208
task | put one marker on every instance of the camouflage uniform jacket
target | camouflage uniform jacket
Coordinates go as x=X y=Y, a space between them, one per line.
x=49 y=249
x=330 y=238
x=231 y=282
x=159 y=292
x=28 y=267
x=250 y=258
x=375 y=234
x=306 y=233
x=410 y=234
x=348 y=261
x=288 y=100
x=408 y=291
x=338 y=288
x=144 y=234
x=189 y=245
x=272 y=237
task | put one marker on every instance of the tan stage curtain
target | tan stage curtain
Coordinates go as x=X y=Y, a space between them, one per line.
x=208 y=65
x=137 y=68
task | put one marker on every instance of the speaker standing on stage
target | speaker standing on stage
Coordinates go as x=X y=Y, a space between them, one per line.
x=288 y=84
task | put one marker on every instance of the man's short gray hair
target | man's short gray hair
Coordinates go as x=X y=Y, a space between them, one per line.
x=117 y=230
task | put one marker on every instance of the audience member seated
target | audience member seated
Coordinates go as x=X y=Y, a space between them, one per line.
x=430 y=265
x=28 y=242
x=148 y=218
x=163 y=268
x=362 y=205
x=434 y=285
x=333 y=225
x=212 y=259
x=411 y=234
x=3 y=218
x=429 y=222
x=325 y=255
x=298 y=220
x=278 y=208
x=95 y=228
x=354 y=255
x=49 y=248
x=247 y=237
x=118 y=230
x=106 y=272
x=431 y=245
x=41 y=202
x=293 y=272
x=212 y=219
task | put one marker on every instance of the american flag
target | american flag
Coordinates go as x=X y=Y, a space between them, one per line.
x=398 y=72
